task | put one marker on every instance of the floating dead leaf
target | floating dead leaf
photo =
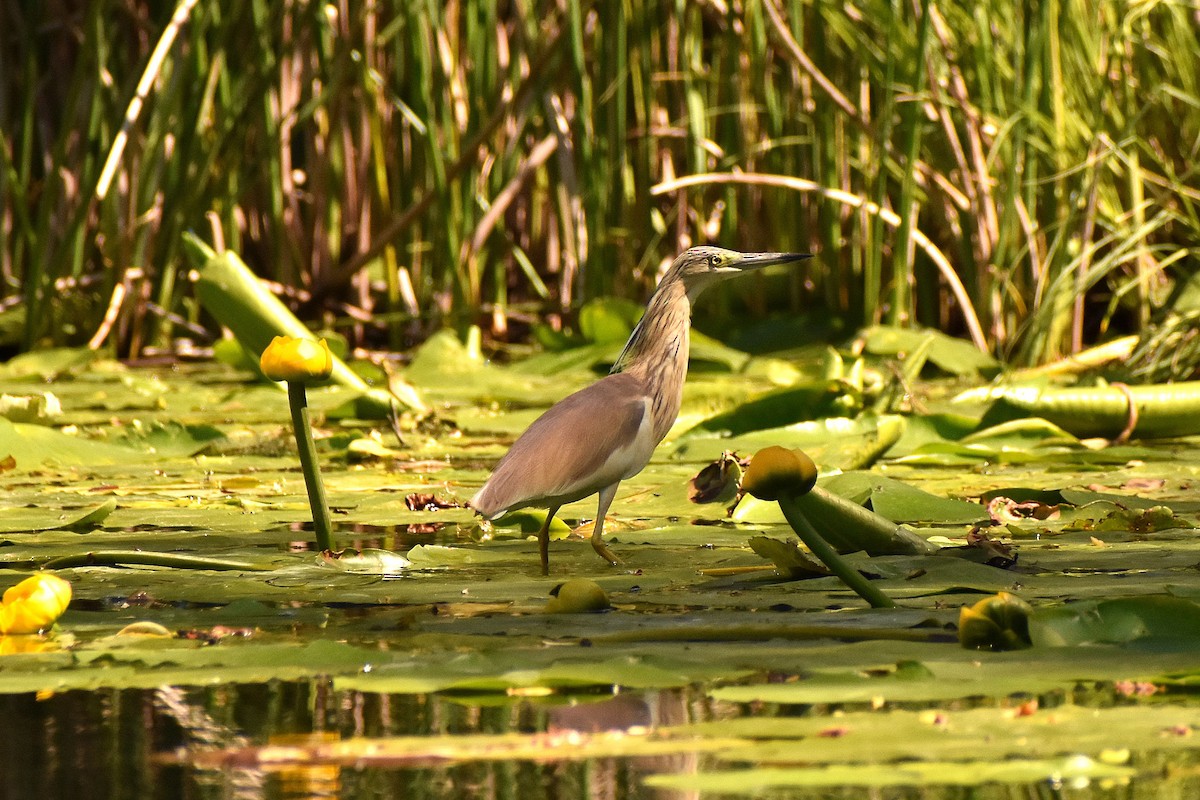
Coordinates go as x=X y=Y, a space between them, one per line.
x=421 y=501
x=1025 y=709
x=423 y=528
x=1135 y=688
x=464 y=610
x=1005 y=510
x=717 y=482
x=986 y=550
x=835 y=732
x=216 y=633
x=788 y=558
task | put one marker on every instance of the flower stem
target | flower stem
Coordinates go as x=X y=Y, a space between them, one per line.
x=322 y=526
x=120 y=558
x=824 y=551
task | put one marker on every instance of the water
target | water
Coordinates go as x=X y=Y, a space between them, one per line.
x=122 y=744
x=200 y=744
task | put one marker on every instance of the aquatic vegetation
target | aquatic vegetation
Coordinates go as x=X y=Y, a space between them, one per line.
x=146 y=472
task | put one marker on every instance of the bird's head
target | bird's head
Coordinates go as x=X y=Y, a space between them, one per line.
x=698 y=267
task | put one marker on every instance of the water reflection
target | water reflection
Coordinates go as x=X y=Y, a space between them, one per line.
x=398 y=538
x=142 y=744
x=137 y=744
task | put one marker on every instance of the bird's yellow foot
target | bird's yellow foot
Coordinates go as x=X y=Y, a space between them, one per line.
x=602 y=550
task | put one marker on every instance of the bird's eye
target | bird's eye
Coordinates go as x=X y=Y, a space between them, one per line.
x=714 y=261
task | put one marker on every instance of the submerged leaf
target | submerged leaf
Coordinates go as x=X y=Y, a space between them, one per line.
x=368 y=561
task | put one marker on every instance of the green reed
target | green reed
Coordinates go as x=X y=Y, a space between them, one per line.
x=1022 y=174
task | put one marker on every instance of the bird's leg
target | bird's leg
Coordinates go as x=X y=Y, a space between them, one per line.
x=606 y=497
x=544 y=540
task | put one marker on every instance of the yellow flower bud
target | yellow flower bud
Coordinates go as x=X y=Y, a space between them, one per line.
x=34 y=604
x=776 y=472
x=576 y=596
x=290 y=359
x=999 y=622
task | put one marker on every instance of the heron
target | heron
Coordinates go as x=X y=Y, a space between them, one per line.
x=590 y=441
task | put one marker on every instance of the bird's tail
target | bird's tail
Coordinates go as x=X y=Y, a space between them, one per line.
x=484 y=505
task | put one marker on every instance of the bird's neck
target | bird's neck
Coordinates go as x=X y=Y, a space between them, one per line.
x=657 y=352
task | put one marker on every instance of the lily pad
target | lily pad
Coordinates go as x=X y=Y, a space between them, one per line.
x=901 y=502
x=31 y=446
x=953 y=356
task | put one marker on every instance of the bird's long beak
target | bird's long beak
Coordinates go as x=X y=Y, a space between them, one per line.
x=750 y=261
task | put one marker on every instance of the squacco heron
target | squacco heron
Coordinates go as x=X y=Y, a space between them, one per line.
x=597 y=437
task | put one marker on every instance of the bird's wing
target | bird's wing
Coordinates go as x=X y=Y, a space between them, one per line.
x=572 y=450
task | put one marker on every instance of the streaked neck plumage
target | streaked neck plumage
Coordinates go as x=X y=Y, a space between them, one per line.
x=657 y=351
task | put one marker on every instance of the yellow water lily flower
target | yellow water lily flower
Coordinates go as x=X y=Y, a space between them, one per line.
x=22 y=645
x=290 y=359
x=34 y=604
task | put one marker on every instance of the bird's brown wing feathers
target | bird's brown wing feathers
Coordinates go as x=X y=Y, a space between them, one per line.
x=560 y=454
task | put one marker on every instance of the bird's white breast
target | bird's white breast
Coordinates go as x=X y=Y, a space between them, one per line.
x=628 y=459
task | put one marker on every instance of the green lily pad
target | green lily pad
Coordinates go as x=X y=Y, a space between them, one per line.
x=608 y=320
x=901 y=502
x=45 y=519
x=170 y=438
x=953 y=356
x=31 y=446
